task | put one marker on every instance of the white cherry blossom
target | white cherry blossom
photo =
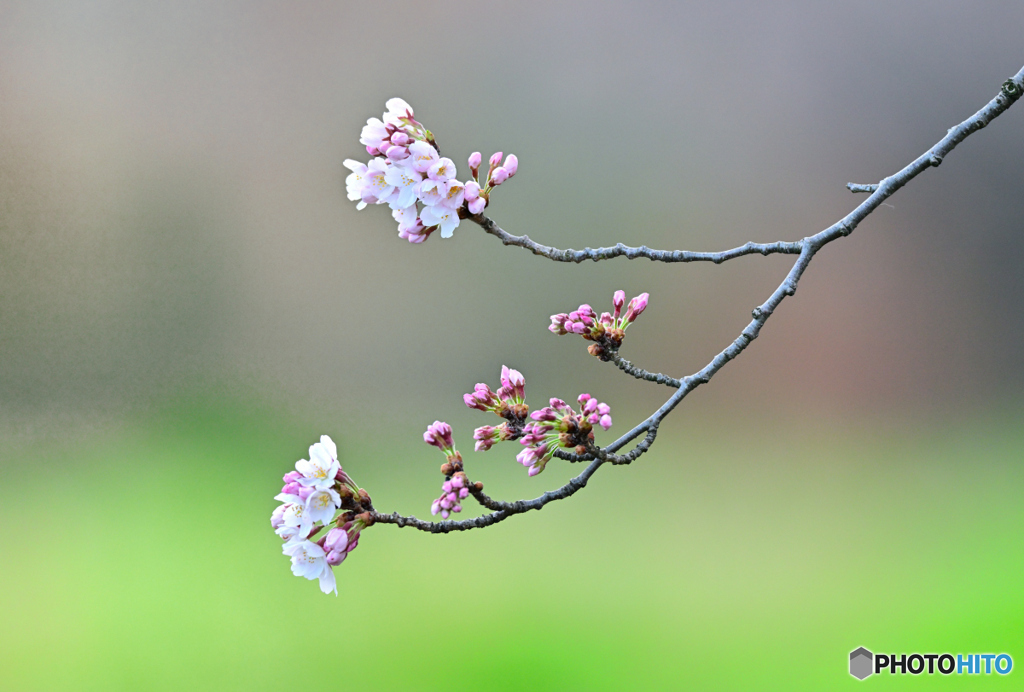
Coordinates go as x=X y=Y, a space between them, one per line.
x=432 y=192
x=406 y=180
x=407 y=218
x=446 y=219
x=321 y=504
x=454 y=194
x=295 y=514
x=442 y=169
x=310 y=561
x=319 y=472
x=377 y=189
x=291 y=534
x=421 y=156
x=356 y=181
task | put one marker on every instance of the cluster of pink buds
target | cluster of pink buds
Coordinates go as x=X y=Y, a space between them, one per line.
x=477 y=196
x=558 y=425
x=456 y=486
x=312 y=494
x=509 y=402
x=486 y=436
x=452 y=493
x=608 y=330
x=439 y=434
x=595 y=412
x=409 y=174
x=341 y=541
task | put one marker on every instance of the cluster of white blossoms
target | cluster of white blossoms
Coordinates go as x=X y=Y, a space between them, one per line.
x=408 y=173
x=312 y=494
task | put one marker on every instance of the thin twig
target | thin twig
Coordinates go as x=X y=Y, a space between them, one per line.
x=620 y=250
x=854 y=187
x=641 y=374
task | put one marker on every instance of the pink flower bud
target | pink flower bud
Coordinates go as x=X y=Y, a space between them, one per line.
x=305 y=492
x=292 y=476
x=604 y=409
x=534 y=470
x=513 y=384
x=511 y=164
x=336 y=539
x=477 y=205
x=474 y=162
x=499 y=176
x=400 y=138
x=457 y=508
x=415 y=233
x=636 y=306
x=618 y=300
x=458 y=482
x=397 y=153
x=372 y=150
x=463 y=493
x=446 y=486
x=291 y=488
x=558 y=324
x=435 y=508
x=511 y=377
x=558 y=404
x=606 y=421
x=472 y=190
x=495 y=159
x=445 y=514
x=439 y=434
x=481 y=398
x=485 y=437
x=334 y=558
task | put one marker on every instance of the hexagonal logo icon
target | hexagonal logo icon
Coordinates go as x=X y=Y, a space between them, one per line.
x=861 y=663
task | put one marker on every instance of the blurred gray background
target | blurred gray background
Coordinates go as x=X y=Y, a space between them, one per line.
x=173 y=216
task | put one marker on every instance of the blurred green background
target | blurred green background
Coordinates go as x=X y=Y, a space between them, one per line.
x=187 y=301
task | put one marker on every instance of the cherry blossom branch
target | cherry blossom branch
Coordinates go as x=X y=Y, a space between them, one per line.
x=806 y=248
x=406 y=172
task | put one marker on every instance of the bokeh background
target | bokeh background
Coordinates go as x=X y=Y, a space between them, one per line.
x=187 y=301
